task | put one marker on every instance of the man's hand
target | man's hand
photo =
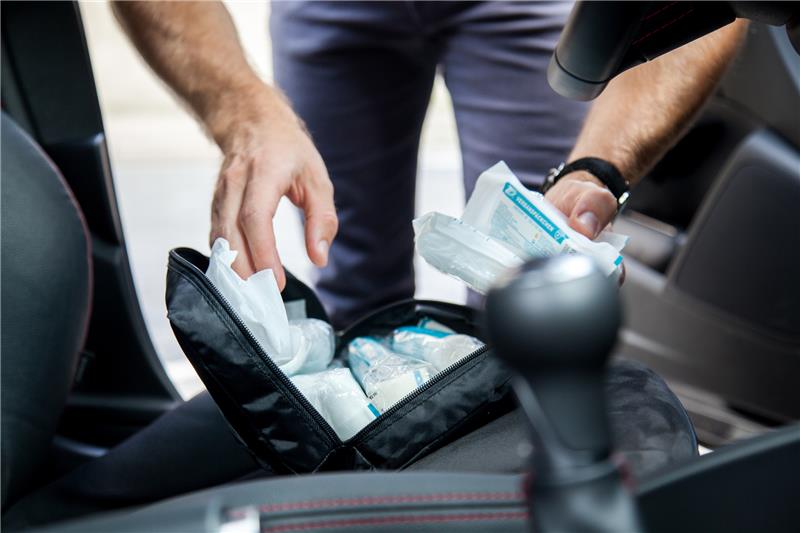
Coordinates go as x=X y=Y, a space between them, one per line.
x=585 y=201
x=640 y=115
x=194 y=47
x=268 y=155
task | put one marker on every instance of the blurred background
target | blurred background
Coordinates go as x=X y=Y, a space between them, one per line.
x=165 y=168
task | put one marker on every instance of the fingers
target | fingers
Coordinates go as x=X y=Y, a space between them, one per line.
x=321 y=223
x=589 y=207
x=593 y=210
x=225 y=213
x=260 y=201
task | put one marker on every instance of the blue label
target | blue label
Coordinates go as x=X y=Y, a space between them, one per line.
x=535 y=214
x=374 y=410
x=618 y=261
x=418 y=378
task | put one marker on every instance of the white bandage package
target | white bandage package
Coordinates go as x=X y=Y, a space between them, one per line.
x=392 y=366
x=504 y=224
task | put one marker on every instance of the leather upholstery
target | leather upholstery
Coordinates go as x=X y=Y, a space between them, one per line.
x=46 y=294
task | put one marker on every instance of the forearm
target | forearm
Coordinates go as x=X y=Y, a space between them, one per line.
x=644 y=111
x=195 y=49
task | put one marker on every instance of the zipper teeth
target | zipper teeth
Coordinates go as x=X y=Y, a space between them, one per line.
x=270 y=363
x=417 y=392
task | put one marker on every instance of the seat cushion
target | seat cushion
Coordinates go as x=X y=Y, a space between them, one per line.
x=45 y=299
x=649 y=426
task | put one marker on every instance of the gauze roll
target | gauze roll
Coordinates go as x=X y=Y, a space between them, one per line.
x=339 y=399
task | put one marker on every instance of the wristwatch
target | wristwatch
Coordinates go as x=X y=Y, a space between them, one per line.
x=600 y=169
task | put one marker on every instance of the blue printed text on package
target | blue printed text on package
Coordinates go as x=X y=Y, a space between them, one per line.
x=534 y=213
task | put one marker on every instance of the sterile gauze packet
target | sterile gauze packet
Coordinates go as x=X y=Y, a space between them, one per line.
x=529 y=225
x=440 y=348
x=339 y=399
x=386 y=376
x=503 y=225
x=429 y=323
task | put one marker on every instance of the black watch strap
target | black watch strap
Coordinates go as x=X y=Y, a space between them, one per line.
x=600 y=169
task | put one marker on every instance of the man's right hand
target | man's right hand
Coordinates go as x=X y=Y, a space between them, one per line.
x=194 y=47
x=268 y=155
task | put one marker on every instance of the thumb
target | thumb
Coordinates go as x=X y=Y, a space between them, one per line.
x=321 y=222
x=594 y=210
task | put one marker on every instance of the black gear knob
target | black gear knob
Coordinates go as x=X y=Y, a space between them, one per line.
x=555 y=323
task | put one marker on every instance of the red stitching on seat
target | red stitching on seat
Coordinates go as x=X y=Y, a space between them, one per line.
x=382 y=500
x=657 y=11
x=386 y=520
x=670 y=23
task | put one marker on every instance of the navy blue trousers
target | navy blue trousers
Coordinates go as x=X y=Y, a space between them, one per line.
x=360 y=75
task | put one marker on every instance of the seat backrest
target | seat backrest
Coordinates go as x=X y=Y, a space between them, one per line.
x=46 y=294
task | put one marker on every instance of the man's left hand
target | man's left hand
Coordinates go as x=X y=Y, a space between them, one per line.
x=585 y=201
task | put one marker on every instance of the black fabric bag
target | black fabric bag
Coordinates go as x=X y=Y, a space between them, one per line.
x=278 y=424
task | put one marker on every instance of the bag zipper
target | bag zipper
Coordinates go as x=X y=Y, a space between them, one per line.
x=417 y=392
x=192 y=270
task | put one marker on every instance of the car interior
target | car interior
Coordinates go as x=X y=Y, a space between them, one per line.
x=710 y=303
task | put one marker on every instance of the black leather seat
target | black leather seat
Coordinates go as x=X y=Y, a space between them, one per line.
x=46 y=299
x=46 y=280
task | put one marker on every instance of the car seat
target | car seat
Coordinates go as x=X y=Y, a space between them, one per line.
x=47 y=284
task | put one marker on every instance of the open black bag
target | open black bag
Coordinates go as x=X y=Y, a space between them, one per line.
x=276 y=422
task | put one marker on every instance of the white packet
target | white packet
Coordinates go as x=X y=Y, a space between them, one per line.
x=528 y=225
x=258 y=303
x=461 y=251
x=339 y=399
x=439 y=348
x=316 y=350
x=429 y=323
x=386 y=376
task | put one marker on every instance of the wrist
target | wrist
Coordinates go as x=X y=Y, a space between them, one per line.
x=584 y=176
x=591 y=170
x=242 y=113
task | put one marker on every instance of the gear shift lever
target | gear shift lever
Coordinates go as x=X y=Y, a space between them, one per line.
x=555 y=323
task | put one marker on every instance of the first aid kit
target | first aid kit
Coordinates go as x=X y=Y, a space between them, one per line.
x=504 y=224
x=293 y=391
